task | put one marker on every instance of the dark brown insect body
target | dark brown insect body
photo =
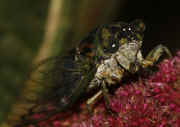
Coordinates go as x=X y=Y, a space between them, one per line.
x=100 y=60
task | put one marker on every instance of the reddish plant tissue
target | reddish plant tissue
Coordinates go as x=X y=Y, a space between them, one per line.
x=150 y=102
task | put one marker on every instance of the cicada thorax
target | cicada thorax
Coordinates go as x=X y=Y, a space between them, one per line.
x=117 y=50
x=87 y=47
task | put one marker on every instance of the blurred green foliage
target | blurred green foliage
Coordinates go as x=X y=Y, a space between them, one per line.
x=21 y=31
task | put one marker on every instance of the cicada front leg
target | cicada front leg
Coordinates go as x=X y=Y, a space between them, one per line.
x=102 y=92
x=91 y=101
x=154 y=55
x=105 y=93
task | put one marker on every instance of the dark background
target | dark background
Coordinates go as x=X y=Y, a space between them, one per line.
x=22 y=28
x=162 y=26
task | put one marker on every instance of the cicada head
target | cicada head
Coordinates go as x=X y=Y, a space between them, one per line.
x=123 y=41
x=112 y=37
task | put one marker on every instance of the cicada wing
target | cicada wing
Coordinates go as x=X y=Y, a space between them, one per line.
x=54 y=74
x=58 y=83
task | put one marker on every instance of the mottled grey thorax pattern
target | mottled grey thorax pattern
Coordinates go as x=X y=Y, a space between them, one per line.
x=111 y=70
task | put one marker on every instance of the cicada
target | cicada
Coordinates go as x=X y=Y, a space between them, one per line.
x=100 y=60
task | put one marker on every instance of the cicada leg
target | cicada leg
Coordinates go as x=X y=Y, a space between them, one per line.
x=103 y=92
x=91 y=101
x=106 y=95
x=154 y=55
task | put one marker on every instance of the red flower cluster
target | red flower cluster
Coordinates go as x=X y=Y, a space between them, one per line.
x=151 y=102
